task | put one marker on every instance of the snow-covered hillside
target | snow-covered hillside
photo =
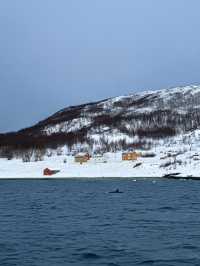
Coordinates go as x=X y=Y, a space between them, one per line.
x=138 y=120
x=173 y=109
x=180 y=155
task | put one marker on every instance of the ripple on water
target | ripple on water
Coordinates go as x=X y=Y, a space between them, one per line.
x=170 y=262
x=146 y=225
x=90 y=255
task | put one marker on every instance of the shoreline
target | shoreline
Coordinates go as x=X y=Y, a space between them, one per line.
x=133 y=178
x=114 y=168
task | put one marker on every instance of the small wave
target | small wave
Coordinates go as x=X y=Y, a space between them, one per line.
x=166 y=208
x=168 y=262
x=90 y=255
x=147 y=262
x=105 y=225
x=184 y=246
x=190 y=247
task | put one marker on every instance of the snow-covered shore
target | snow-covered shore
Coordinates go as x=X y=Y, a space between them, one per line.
x=115 y=167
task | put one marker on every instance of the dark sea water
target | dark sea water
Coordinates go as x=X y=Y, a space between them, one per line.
x=77 y=222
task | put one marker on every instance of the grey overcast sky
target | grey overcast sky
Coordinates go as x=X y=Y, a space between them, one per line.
x=66 y=52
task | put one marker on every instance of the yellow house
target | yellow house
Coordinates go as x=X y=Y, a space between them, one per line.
x=130 y=156
x=81 y=158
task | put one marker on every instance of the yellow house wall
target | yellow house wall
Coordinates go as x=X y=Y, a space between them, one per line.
x=81 y=159
x=130 y=156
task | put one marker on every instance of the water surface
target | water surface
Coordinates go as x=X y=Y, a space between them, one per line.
x=77 y=222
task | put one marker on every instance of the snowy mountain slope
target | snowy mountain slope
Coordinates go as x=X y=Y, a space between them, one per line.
x=115 y=123
x=176 y=108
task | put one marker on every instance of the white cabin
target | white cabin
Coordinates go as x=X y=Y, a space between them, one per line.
x=98 y=158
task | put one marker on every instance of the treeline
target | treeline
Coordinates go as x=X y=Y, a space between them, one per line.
x=34 y=147
x=25 y=141
x=26 y=146
x=157 y=124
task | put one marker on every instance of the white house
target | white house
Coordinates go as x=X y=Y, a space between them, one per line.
x=99 y=158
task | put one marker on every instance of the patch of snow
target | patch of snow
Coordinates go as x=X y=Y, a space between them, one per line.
x=68 y=126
